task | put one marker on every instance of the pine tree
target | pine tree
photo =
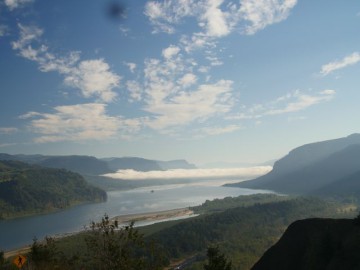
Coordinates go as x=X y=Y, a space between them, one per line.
x=216 y=260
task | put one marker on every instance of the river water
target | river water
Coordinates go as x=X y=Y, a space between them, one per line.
x=21 y=231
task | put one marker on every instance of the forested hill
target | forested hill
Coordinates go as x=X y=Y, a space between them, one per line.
x=92 y=166
x=28 y=189
x=315 y=244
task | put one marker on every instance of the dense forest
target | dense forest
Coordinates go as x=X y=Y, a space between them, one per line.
x=27 y=189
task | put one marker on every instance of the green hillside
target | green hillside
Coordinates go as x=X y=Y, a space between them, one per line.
x=28 y=189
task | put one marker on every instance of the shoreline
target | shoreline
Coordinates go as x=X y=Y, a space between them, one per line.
x=153 y=217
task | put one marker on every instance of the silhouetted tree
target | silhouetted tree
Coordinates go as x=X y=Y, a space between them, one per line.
x=216 y=260
x=114 y=248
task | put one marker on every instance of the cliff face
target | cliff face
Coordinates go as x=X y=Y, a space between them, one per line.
x=329 y=244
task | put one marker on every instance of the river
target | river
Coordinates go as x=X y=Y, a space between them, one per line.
x=21 y=231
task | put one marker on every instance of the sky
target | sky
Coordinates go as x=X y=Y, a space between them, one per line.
x=205 y=80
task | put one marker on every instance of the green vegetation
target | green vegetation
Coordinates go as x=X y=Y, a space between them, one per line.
x=29 y=189
x=219 y=205
x=242 y=228
x=243 y=233
x=216 y=260
x=106 y=246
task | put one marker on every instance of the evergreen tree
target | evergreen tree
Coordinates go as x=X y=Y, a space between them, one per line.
x=216 y=260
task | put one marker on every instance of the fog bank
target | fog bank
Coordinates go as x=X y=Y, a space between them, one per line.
x=250 y=172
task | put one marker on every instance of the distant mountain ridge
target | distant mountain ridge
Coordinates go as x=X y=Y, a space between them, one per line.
x=89 y=165
x=312 y=167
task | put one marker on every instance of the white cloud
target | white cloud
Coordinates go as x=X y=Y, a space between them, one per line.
x=163 y=15
x=289 y=103
x=214 y=20
x=8 y=130
x=349 y=60
x=79 y=123
x=187 y=80
x=173 y=97
x=185 y=107
x=214 y=61
x=302 y=101
x=135 y=90
x=131 y=66
x=191 y=173
x=262 y=13
x=220 y=130
x=217 y=18
x=93 y=77
x=170 y=51
x=13 y=4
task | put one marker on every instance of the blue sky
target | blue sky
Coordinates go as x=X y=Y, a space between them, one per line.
x=206 y=80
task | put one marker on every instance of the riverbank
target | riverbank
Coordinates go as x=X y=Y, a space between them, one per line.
x=142 y=219
x=154 y=216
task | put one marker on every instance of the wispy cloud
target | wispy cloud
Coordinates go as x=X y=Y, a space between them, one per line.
x=8 y=130
x=220 y=130
x=3 y=30
x=300 y=101
x=217 y=19
x=131 y=66
x=289 y=103
x=192 y=173
x=7 y=144
x=93 y=77
x=79 y=123
x=349 y=60
x=13 y=4
x=163 y=15
x=135 y=90
x=259 y=14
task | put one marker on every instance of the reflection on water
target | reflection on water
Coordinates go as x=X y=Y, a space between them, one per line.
x=18 y=232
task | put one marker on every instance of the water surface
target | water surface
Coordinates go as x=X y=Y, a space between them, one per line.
x=19 y=232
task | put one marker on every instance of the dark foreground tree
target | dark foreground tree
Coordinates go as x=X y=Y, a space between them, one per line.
x=113 y=248
x=108 y=247
x=216 y=260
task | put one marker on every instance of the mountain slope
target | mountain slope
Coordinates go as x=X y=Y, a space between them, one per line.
x=28 y=189
x=315 y=244
x=175 y=164
x=347 y=187
x=80 y=164
x=310 y=172
x=134 y=163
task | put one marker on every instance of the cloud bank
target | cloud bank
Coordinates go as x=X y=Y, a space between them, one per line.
x=190 y=174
